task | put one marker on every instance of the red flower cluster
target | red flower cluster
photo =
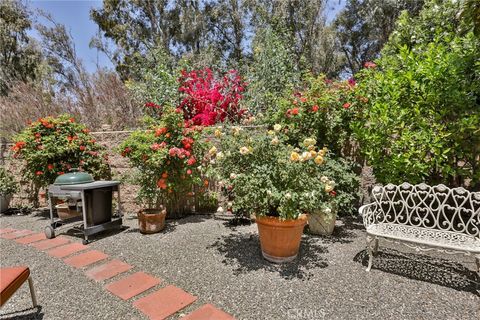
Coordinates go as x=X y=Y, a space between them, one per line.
x=370 y=65
x=208 y=100
x=152 y=105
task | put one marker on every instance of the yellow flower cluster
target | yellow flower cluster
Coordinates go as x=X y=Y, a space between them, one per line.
x=310 y=153
x=246 y=150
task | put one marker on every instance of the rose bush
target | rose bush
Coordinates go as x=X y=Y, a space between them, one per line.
x=52 y=146
x=167 y=156
x=267 y=176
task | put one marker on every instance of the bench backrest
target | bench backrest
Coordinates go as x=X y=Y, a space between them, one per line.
x=432 y=207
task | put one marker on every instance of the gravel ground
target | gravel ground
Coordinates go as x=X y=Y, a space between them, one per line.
x=222 y=265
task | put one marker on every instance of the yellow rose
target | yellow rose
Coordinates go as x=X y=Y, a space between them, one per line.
x=213 y=151
x=277 y=127
x=306 y=156
x=275 y=141
x=313 y=153
x=218 y=133
x=321 y=153
x=328 y=188
x=294 y=156
x=244 y=150
x=309 y=142
x=319 y=160
x=271 y=132
x=310 y=148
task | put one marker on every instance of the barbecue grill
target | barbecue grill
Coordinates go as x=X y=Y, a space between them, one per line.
x=88 y=205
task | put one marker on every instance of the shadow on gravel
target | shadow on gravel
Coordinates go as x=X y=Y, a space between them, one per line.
x=242 y=251
x=26 y=314
x=424 y=268
x=172 y=224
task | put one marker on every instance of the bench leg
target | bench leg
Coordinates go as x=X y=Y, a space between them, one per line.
x=32 y=292
x=370 y=252
x=477 y=260
x=375 y=247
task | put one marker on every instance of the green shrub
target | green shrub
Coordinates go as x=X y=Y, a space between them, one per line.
x=422 y=122
x=52 y=146
x=8 y=185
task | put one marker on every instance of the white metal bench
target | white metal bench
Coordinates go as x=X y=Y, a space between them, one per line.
x=424 y=218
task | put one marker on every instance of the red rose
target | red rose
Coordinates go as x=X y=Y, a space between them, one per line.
x=85 y=130
x=60 y=172
x=370 y=65
x=37 y=135
x=333 y=193
x=315 y=108
x=155 y=146
x=165 y=175
x=162 y=184
x=191 y=161
x=172 y=152
x=82 y=148
x=72 y=120
x=295 y=111
x=50 y=167
x=39 y=173
x=189 y=172
x=346 y=105
x=160 y=131
x=302 y=99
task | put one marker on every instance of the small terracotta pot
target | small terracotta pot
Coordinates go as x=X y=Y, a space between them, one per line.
x=151 y=220
x=280 y=239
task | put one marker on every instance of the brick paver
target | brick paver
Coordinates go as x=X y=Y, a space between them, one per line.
x=16 y=234
x=132 y=285
x=66 y=250
x=30 y=239
x=7 y=230
x=108 y=270
x=85 y=259
x=208 y=312
x=164 y=302
x=50 y=243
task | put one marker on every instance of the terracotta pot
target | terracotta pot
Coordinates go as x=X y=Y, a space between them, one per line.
x=151 y=220
x=280 y=239
x=322 y=224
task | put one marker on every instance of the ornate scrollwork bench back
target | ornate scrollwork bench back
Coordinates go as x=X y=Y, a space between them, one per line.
x=429 y=216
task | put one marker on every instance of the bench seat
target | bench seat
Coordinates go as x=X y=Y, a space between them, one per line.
x=427 y=237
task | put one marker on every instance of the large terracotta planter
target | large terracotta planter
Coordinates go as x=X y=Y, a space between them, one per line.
x=280 y=239
x=151 y=220
x=320 y=223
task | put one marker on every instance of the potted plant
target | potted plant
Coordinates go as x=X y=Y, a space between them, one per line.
x=167 y=156
x=8 y=186
x=276 y=182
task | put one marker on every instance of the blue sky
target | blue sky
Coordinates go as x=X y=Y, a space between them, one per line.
x=75 y=15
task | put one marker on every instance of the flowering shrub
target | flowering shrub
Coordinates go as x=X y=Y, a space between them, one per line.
x=422 y=120
x=269 y=177
x=167 y=156
x=324 y=110
x=52 y=146
x=208 y=100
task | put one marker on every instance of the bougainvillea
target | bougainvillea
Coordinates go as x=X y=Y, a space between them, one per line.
x=208 y=100
x=53 y=146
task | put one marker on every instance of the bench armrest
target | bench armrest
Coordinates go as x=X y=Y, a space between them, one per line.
x=368 y=213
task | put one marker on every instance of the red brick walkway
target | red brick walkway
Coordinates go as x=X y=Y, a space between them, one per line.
x=160 y=304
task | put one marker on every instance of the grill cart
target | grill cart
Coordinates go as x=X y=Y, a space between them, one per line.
x=87 y=204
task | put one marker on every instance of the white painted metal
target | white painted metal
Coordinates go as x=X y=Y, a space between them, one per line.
x=425 y=218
